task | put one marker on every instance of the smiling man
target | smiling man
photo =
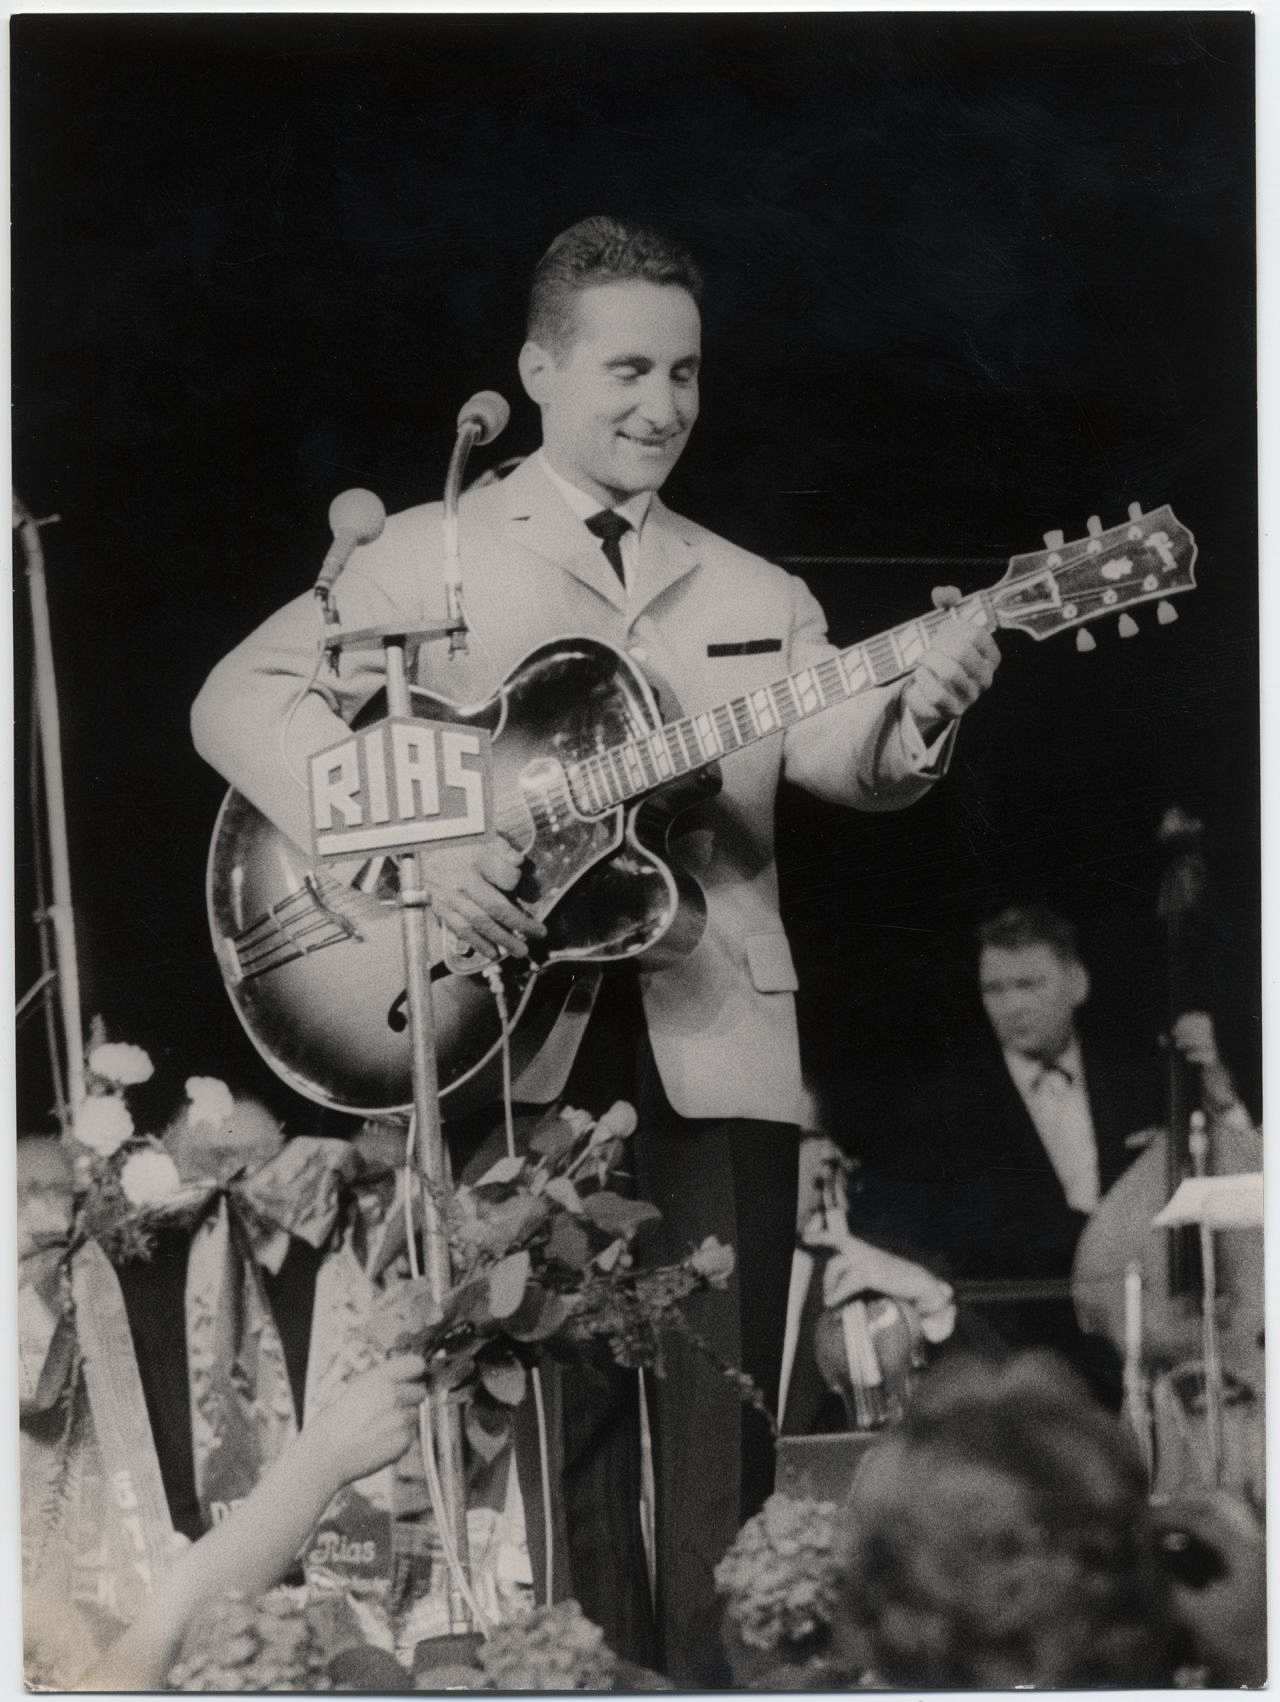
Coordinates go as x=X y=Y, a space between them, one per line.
x=578 y=541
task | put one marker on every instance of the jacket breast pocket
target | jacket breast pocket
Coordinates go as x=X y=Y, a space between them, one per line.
x=770 y=964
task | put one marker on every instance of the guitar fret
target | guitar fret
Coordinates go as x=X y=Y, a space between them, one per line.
x=689 y=740
x=726 y=727
x=661 y=753
x=602 y=779
x=645 y=757
x=831 y=679
x=857 y=670
x=580 y=787
x=913 y=641
x=635 y=772
x=738 y=709
x=618 y=768
x=765 y=710
x=882 y=658
x=788 y=708
x=679 y=761
x=808 y=691
x=709 y=740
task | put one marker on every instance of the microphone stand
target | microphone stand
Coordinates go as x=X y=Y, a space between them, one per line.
x=59 y=915
x=415 y=902
x=470 y=432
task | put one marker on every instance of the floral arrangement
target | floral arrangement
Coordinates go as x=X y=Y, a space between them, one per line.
x=551 y=1648
x=781 y=1578
x=542 y=1253
x=127 y=1181
x=235 y=1645
x=286 y=1641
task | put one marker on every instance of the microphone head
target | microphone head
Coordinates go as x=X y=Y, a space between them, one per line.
x=487 y=410
x=358 y=514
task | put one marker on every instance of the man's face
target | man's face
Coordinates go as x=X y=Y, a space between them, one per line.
x=618 y=406
x=1031 y=996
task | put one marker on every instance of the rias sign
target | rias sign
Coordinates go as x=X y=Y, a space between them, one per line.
x=398 y=785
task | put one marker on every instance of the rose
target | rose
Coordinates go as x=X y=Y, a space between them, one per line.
x=211 y=1100
x=712 y=1261
x=118 y=1062
x=617 y=1123
x=149 y=1178
x=103 y=1123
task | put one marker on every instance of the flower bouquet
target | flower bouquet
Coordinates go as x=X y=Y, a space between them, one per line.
x=542 y=1253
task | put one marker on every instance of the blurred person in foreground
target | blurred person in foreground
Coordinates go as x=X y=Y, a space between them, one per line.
x=1001 y=1537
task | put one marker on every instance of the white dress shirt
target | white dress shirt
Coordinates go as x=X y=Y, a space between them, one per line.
x=634 y=509
x=1057 y=1102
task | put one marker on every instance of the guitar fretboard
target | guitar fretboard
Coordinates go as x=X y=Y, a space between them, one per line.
x=612 y=777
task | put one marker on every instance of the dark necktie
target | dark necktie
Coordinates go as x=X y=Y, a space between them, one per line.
x=609 y=526
x=1057 y=1078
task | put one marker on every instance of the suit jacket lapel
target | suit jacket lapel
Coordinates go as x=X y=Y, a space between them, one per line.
x=539 y=519
x=667 y=553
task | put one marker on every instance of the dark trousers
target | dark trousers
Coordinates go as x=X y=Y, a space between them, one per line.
x=713 y=1456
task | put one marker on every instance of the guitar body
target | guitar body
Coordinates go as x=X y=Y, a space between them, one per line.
x=314 y=964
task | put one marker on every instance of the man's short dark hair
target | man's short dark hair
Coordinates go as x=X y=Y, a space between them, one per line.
x=601 y=250
x=1030 y=925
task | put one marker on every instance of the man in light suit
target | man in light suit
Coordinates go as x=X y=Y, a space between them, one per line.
x=576 y=540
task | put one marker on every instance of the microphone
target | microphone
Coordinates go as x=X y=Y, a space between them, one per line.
x=486 y=414
x=355 y=517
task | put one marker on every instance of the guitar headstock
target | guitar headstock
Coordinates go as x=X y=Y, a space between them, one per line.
x=1149 y=558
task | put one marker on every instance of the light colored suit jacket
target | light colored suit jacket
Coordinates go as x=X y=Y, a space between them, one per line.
x=722 y=1020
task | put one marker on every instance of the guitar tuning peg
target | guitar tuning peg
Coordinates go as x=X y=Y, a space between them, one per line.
x=1135 y=511
x=1166 y=614
x=1128 y=626
x=1094 y=526
x=1054 y=540
x=1085 y=642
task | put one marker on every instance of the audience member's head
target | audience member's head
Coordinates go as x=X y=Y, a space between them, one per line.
x=999 y=1537
x=1032 y=980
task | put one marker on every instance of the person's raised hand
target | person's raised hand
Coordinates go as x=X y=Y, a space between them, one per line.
x=371 y=1422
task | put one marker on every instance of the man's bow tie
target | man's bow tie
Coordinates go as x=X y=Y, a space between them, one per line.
x=1054 y=1078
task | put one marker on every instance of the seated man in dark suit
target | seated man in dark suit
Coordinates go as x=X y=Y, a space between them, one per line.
x=988 y=1169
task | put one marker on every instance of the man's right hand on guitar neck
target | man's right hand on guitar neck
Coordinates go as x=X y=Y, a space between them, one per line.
x=468 y=888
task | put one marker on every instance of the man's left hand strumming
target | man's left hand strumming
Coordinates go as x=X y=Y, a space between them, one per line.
x=953 y=673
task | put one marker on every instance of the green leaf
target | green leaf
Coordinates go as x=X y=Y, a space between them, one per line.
x=541 y=1314
x=552 y=1141
x=568 y=1244
x=505 y=1379
x=507 y=1282
x=505 y=1170
x=562 y=1191
x=509 y=1222
x=488 y=1429
x=468 y=1304
x=615 y=1215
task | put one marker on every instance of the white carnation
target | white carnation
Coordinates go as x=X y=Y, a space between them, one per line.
x=103 y=1123
x=211 y=1100
x=149 y=1178
x=119 y=1062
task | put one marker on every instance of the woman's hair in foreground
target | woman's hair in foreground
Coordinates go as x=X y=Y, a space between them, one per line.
x=595 y=251
x=999 y=1537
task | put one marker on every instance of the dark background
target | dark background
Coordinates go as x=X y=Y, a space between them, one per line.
x=970 y=278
